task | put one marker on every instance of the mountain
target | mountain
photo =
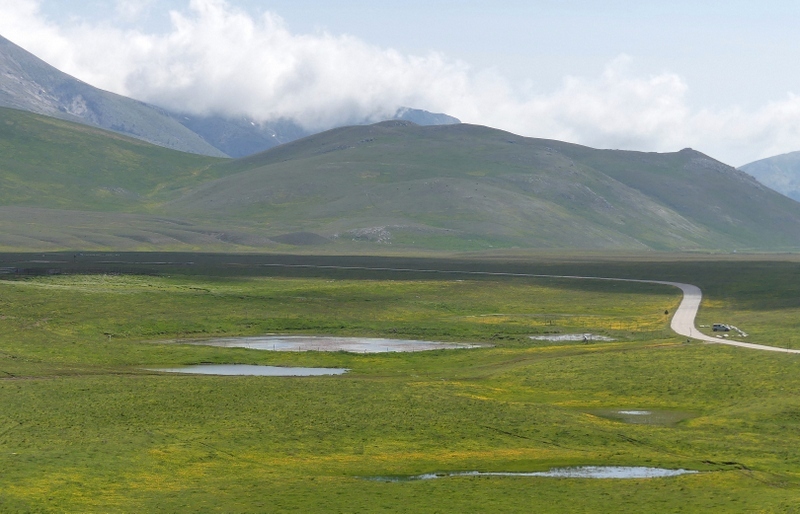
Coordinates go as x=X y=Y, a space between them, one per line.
x=30 y=84
x=424 y=118
x=390 y=185
x=467 y=187
x=240 y=137
x=781 y=173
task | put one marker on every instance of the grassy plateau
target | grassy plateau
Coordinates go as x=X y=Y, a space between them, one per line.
x=86 y=428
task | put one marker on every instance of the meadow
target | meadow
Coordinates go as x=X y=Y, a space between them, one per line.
x=85 y=428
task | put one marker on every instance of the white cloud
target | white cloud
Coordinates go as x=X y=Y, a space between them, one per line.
x=615 y=110
x=132 y=10
x=218 y=59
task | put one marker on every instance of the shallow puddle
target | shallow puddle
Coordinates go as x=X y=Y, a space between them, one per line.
x=644 y=417
x=572 y=337
x=333 y=344
x=252 y=370
x=616 y=472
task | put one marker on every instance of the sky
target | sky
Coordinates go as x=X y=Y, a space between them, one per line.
x=717 y=76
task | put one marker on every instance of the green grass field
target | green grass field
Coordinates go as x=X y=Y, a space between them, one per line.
x=84 y=428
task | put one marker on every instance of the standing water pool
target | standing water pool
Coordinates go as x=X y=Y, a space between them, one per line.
x=251 y=370
x=334 y=344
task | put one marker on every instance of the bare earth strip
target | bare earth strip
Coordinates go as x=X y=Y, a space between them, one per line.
x=682 y=321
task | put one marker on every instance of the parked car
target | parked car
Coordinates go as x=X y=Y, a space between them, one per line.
x=721 y=327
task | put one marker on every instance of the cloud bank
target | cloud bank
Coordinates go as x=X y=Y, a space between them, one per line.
x=217 y=59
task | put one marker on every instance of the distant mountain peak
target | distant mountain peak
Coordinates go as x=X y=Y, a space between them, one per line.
x=425 y=118
x=780 y=173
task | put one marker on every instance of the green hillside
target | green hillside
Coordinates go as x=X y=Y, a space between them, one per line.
x=467 y=187
x=47 y=162
x=66 y=185
x=394 y=185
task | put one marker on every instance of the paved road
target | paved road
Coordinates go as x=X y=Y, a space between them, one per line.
x=682 y=321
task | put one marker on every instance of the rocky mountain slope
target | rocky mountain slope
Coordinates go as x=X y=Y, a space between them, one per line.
x=30 y=84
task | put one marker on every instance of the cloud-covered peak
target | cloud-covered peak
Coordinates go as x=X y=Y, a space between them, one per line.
x=219 y=59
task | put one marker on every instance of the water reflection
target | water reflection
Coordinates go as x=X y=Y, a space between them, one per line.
x=333 y=344
x=600 y=472
x=251 y=370
x=644 y=417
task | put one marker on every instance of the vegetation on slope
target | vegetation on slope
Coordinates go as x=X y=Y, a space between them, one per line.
x=465 y=186
x=46 y=162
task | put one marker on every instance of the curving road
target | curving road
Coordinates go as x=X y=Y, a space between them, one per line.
x=682 y=321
